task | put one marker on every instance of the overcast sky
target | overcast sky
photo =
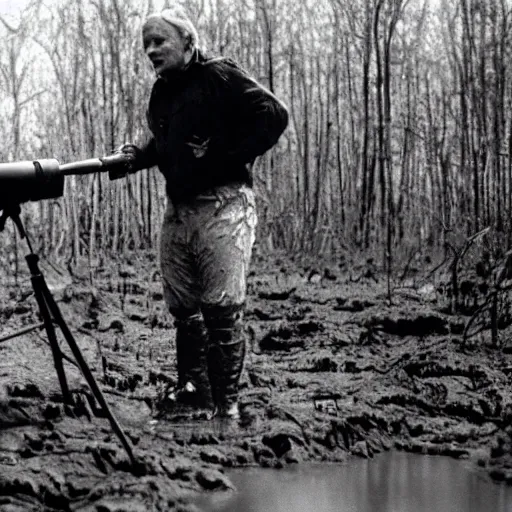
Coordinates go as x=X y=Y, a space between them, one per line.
x=12 y=6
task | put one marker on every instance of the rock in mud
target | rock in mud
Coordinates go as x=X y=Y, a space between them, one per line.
x=280 y=443
x=211 y=479
x=26 y=390
x=111 y=323
x=213 y=456
x=361 y=450
x=410 y=323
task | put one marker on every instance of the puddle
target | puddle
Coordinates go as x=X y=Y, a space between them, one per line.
x=392 y=482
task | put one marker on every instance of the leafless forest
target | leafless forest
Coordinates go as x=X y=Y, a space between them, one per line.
x=396 y=168
x=400 y=137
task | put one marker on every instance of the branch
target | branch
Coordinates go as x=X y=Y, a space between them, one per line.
x=31 y=97
x=10 y=28
x=470 y=240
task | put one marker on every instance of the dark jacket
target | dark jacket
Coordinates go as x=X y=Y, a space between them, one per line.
x=208 y=126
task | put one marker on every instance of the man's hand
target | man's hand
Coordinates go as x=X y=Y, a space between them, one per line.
x=131 y=154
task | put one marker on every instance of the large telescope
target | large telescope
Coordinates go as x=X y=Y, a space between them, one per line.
x=44 y=179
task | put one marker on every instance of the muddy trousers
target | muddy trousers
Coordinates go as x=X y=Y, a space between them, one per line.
x=205 y=254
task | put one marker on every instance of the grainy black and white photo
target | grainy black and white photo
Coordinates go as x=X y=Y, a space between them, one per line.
x=255 y=255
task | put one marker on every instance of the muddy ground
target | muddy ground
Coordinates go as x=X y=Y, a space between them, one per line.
x=333 y=370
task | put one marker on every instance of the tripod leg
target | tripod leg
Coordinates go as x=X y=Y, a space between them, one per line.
x=38 y=286
x=86 y=372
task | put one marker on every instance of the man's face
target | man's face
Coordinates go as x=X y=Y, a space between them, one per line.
x=164 y=46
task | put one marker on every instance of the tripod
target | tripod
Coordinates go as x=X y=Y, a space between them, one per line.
x=51 y=316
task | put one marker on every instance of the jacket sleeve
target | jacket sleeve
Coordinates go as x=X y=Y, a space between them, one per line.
x=147 y=154
x=258 y=117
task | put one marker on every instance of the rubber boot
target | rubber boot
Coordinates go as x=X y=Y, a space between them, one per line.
x=192 y=364
x=225 y=358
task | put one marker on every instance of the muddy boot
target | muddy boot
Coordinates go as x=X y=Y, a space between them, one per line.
x=225 y=358
x=193 y=388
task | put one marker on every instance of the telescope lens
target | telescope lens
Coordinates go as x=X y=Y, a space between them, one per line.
x=30 y=181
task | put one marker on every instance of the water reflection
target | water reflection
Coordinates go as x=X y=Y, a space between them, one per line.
x=393 y=482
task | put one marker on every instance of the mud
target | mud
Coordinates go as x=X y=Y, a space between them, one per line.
x=334 y=370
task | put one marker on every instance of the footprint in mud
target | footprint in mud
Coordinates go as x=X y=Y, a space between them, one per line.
x=8 y=459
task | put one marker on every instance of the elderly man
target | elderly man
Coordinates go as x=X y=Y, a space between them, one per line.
x=209 y=121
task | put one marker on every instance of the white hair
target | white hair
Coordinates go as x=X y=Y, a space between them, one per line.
x=177 y=17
